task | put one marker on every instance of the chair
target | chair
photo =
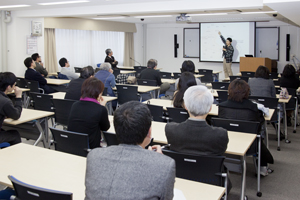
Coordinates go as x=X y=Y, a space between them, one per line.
x=21 y=82
x=177 y=114
x=157 y=113
x=176 y=75
x=138 y=70
x=116 y=72
x=208 y=75
x=222 y=96
x=71 y=142
x=25 y=191
x=248 y=74
x=220 y=85
x=273 y=75
x=110 y=138
x=293 y=105
x=276 y=82
x=77 y=69
x=104 y=93
x=62 y=109
x=166 y=75
x=205 y=169
x=34 y=86
x=42 y=101
x=146 y=82
x=127 y=93
x=245 y=78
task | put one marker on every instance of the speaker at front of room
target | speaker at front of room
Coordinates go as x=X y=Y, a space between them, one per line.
x=176 y=46
x=288 y=47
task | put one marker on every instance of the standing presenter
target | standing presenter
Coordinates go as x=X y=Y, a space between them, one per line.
x=110 y=59
x=227 y=55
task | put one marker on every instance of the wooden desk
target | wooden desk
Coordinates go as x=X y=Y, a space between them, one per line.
x=52 y=81
x=22 y=89
x=126 y=72
x=52 y=74
x=51 y=169
x=142 y=88
x=167 y=80
x=125 y=68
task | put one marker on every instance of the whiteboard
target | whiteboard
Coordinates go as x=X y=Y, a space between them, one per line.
x=267 y=42
x=191 y=43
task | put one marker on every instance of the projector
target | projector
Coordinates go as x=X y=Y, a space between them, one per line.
x=183 y=18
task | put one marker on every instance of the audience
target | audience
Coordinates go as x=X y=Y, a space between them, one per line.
x=110 y=59
x=261 y=85
x=239 y=107
x=66 y=70
x=39 y=65
x=188 y=66
x=74 y=87
x=128 y=170
x=92 y=103
x=186 y=80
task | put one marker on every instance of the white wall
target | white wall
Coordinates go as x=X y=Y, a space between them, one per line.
x=139 y=47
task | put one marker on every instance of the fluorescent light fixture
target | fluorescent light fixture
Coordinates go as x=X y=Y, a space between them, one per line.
x=61 y=2
x=103 y=18
x=260 y=12
x=203 y=14
x=152 y=16
x=14 y=6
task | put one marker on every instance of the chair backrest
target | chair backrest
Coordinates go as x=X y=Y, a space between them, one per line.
x=104 y=93
x=273 y=75
x=42 y=101
x=276 y=82
x=220 y=85
x=110 y=138
x=222 y=96
x=116 y=72
x=268 y=102
x=33 y=86
x=292 y=103
x=21 y=82
x=157 y=112
x=248 y=74
x=62 y=76
x=29 y=192
x=138 y=70
x=176 y=75
x=208 y=75
x=245 y=78
x=70 y=142
x=127 y=93
x=177 y=114
x=77 y=69
x=146 y=82
x=166 y=75
x=62 y=108
x=205 y=169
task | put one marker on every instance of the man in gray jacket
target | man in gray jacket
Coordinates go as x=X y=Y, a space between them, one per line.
x=129 y=171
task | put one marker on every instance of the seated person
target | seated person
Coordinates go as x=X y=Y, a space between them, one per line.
x=188 y=66
x=239 y=107
x=7 y=109
x=39 y=66
x=33 y=75
x=152 y=74
x=92 y=103
x=186 y=80
x=66 y=70
x=110 y=59
x=74 y=87
x=195 y=136
x=128 y=170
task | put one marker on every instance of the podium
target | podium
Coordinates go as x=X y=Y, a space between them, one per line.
x=250 y=64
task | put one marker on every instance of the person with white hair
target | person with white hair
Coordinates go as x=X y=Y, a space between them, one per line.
x=195 y=136
x=110 y=59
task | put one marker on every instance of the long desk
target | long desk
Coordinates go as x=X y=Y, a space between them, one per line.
x=65 y=172
x=52 y=81
x=142 y=88
x=126 y=72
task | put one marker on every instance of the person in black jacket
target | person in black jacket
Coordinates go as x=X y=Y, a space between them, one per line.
x=110 y=59
x=7 y=109
x=89 y=115
x=74 y=88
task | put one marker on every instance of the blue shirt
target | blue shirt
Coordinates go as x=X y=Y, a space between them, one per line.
x=108 y=80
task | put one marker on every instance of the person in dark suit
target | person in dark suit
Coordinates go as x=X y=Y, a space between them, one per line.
x=110 y=59
x=195 y=136
x=129 y=171
x=74 y=87
x=32 y=74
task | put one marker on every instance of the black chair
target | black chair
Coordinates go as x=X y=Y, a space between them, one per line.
x=157 y=113
x=110 y=138
x=42 y=101
x=34 y=86
x=104 y=92
x=205 y=169
x=70 y=142
x=21 y=82
x=245 y=78
x=26 y=191
x=248 y=74
x=77 y=69
x=62 y=109
x=276 y=82
x=208 y=75
x=176 y=75
x=116 y=72
x=146 y=82
x=166 y=75
x=138 y=70
x=177 y=114
x=222 y=96
x=273 y=75
x=293 y=105
x=127 y=93
x=220 y=85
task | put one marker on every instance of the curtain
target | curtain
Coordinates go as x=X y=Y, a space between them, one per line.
x=83 y=47
x=50 y=50
x=129 y=49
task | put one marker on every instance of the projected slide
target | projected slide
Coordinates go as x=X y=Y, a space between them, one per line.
x=242 y=34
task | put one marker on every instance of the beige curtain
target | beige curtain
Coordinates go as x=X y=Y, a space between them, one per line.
x=128 y=50
x=50 y=51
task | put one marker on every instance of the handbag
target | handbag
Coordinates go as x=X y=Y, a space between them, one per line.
x=284 y=94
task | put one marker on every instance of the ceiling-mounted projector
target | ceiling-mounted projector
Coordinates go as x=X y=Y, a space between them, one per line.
x=183 y=18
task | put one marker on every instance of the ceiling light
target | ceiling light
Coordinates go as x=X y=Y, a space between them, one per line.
x=203 y=14
x=151 y=16
x=101 y=18
x=261 y=12
x=62 y=2
x=14 y=6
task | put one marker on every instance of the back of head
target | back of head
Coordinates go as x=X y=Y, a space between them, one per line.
x=132 y=122
x=108 y=51
x=62 y=62
x=289 y=71
x=86 y=72
x=262 y=72
x=6 y=79
x=229 y=39
x=238 y=90
x=105 y=66
x=152 y=63
x=198 y=100
x=27 y=62
x=92 y=88
x=188 y=66
x=35 y=56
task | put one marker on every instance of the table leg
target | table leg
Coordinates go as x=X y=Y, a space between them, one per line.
x=42 y=135
x=110 y=109
x=278 y=130
x=243 y=178
x=267 y=135
x=285 y=124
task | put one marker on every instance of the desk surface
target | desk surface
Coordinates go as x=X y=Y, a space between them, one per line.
x=53 y=81
x=23 y=90
x=61 y=95
x=28 y=115
x=141 y=88
x=127 y=72
x=167 y=80
x=51 y=169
